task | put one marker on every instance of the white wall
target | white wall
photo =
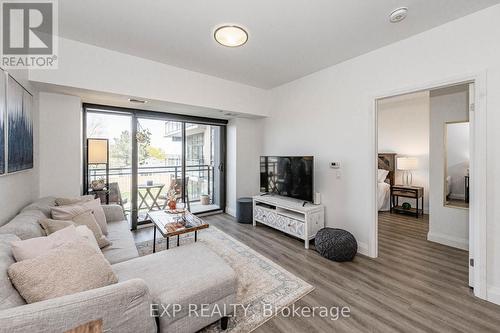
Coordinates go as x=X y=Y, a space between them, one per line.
x=244 y=146
x=89 y=67
x=403 y=128
x=447 y=225
x=60 y=145
x=19 y=189
x=329 y=114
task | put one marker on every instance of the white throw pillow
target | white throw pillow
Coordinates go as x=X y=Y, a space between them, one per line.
x=34 y=247
x=382 y=175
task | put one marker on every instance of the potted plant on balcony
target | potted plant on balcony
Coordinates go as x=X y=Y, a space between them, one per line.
x=205 y=199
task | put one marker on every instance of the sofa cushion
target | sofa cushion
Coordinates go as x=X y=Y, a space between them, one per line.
x=43 y=204
x=25 y=225
x=123 y=245
x=34 y=247
x=65 y=270
x=9 y=297
x=191 y=274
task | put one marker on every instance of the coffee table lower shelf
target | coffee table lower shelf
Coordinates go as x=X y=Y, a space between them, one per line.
x=171 y=225
x=178 y=237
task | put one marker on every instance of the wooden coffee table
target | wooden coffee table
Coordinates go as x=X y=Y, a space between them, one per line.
x=174 y=223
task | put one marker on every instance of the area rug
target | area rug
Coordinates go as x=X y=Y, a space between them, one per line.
x=261 y=282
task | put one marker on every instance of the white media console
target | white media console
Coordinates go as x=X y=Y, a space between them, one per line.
x=289 y=215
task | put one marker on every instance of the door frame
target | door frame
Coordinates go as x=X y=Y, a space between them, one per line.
x=478 y=169
x=147 y=114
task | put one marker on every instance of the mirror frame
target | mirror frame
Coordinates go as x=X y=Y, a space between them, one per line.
x=445 y=158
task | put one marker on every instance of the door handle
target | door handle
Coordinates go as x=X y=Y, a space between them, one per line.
x=221 y=167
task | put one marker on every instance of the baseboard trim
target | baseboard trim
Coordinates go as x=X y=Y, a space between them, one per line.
x=493 y=294
x=459 y=243
x=363 y=249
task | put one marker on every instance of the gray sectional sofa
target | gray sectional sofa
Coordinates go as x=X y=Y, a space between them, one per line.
x=190 y=274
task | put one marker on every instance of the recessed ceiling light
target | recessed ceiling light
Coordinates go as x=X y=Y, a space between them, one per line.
x=398 y=14
x=138 y=101
x=230 y=35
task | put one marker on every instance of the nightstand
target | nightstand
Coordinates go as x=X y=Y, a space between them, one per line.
x=412 y=192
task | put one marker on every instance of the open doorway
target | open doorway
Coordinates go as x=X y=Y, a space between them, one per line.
x=423 y=174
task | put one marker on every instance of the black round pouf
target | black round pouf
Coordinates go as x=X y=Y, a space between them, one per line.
x=244 y=210
x=336 y=244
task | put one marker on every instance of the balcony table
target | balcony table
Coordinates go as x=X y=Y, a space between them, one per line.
x=149 y=193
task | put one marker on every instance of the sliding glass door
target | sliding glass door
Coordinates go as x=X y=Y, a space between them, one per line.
x=152 y=153
x=203 y=166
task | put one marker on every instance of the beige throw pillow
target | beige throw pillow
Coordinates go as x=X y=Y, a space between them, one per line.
x=73 y=200
x=86 y=233
x=34 y=247
x=68 y=269
x=81 y=216
x=88 y=219
x=67 y=212
x=95 y=206
x=50 y=226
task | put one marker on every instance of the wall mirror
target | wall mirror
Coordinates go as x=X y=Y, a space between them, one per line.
x=456 y=166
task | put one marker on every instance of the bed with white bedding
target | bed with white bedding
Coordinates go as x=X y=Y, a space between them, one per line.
x=385 y=179
x=384 y=197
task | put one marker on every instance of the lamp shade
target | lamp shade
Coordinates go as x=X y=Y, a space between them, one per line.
x=97 y=151
x=407 y=163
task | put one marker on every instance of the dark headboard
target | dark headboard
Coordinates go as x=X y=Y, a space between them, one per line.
x=387 y=161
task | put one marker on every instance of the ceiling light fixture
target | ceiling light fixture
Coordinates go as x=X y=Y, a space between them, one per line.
x=398 y=14
x=138 y=101
x=230 y=35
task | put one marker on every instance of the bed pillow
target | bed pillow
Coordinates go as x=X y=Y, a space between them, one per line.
x=65 y=270
x=34 y=247
x=382 y=175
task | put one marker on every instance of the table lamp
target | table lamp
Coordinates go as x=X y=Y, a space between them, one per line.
x=407 y=164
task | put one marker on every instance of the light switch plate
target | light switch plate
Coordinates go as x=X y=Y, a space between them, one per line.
x=335 y=165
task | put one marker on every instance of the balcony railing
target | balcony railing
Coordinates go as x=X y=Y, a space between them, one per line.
x=201 y=179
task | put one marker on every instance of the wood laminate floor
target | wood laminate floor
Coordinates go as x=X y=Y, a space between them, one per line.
x=413 y=286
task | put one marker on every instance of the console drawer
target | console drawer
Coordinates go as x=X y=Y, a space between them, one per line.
x=265 y=215
x=292 y=226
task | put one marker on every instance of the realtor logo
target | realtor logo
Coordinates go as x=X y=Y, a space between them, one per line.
x=29 y=34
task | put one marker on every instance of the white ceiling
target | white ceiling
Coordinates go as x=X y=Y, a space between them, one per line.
x=287 y=38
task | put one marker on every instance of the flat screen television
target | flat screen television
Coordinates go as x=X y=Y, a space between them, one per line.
x=290 y=176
